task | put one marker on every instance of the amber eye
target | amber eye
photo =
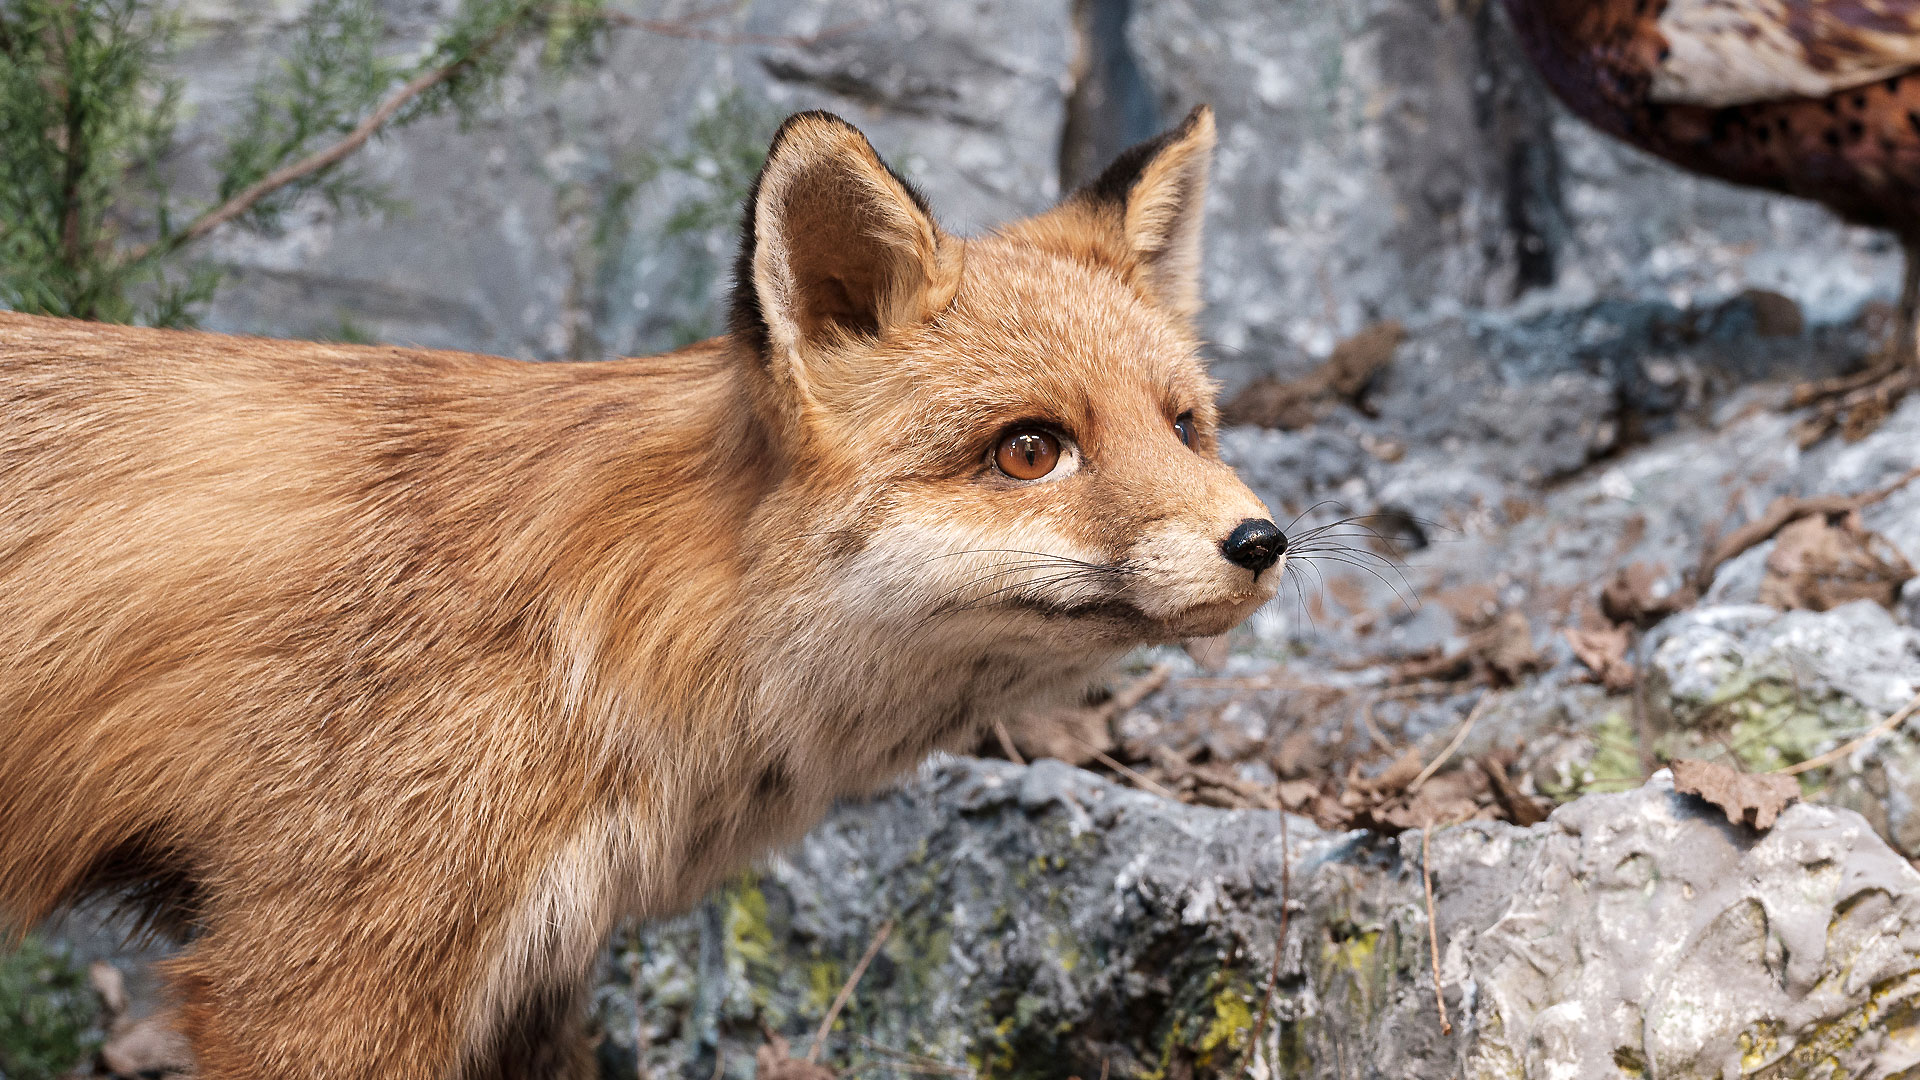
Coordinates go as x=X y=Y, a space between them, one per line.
x=1183 y=427
x=1027 y=453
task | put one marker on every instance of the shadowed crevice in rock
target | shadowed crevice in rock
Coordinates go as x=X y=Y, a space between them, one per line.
x=1516 y=115
x=1111 y=105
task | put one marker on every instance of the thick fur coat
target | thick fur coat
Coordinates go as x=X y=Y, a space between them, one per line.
x=392 y=679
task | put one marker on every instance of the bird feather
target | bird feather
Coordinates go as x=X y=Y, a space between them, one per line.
x=1738 y=52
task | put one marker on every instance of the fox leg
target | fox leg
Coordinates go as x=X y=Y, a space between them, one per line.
x=253 y=1008
x=372 y=1027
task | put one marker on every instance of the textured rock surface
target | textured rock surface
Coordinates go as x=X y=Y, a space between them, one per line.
x=524 y=233
x=1390 y=158
x=1054 y=922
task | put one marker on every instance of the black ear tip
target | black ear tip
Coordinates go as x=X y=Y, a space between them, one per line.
x=810 y=117
x=1115 y=183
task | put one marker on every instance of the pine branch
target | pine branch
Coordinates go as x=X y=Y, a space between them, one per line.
x=320 y=160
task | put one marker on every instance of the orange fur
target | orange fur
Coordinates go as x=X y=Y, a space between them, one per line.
x=397 y=677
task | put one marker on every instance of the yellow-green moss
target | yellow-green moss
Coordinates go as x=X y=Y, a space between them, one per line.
x=1616 y=756
x=1232 y=1024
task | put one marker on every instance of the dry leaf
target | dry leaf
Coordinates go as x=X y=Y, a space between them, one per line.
x=1605 y=654
x=1079 y=734
x=1753 y=799
x=1506 y=647
x=1296 y=794
x=1632 y=595
x=1516 y=806
x=1346 y=375
x=1299 y=754
x=1824 y=560
x=111 y=985
x=1774 y=315
x=1075 y=734
x=1472 y=606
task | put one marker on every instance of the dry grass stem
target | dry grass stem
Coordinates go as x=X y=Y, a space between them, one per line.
x=846 y=991
x=1459 y=737
x=1433 y=928
x=1838 y=752
x=1113 y=763
x=1279 y=940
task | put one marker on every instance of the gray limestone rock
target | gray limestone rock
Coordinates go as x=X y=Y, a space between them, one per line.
x=1049 y=922
x=593 y=212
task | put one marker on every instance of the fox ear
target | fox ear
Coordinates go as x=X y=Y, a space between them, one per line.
x=1144 y=214
x=836 y=248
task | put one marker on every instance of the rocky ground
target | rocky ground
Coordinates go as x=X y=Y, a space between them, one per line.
x=1531 y=388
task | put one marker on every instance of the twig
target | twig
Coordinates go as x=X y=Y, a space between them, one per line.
x=1839 y=752
x=914 y=1062
x=1279 y=941
x=1373 y=730
x=1433 y=927
x=1782 y=512
x=1643 y=725
x=1136 y=691
x=846 y=991
x=319 y=160
x=1458 y=738
x=1110 y=762
x=1001 y=733
x=1422 y=689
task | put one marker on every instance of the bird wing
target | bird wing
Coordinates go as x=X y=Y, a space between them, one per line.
x=1735 y=52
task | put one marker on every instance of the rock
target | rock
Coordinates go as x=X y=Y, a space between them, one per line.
x=1646 y=935
x=1393 y=158
x=1779 y=687
x=1050 y=922
x=592 y=213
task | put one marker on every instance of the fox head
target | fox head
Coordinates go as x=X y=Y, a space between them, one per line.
x=1011 y=435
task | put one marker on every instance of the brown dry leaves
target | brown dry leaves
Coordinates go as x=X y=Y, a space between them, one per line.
x=1391 y=801
x=1345 y=376
x=1604 y=652
x=1497 y=654
x=1824 y=560
x=1079 y=734
x=1751 y=799
x=1632 y=596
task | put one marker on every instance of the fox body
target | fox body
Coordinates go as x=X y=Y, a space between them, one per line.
x=393 y=679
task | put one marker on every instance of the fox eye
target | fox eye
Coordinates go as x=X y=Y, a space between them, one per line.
x=1183 y=427
x=1027 y=453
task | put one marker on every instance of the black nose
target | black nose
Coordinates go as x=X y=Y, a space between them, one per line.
x=1254 y=544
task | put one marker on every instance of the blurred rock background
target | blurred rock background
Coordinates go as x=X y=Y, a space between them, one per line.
x=1565 y=367
x=1379 y=159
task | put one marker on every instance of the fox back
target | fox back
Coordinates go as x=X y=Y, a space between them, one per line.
x=392 y=679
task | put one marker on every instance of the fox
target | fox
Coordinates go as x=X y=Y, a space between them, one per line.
x=390 y=681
